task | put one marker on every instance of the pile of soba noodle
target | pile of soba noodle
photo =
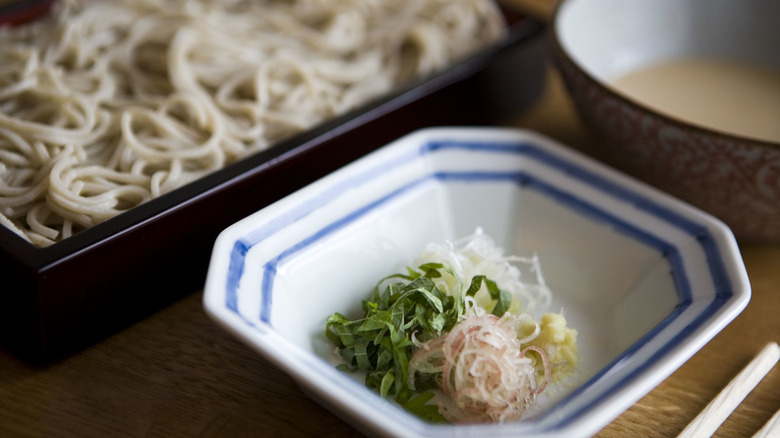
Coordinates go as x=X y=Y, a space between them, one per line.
x=107 y=104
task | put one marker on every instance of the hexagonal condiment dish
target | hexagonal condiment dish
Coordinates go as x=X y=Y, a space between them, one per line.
x=646 y=279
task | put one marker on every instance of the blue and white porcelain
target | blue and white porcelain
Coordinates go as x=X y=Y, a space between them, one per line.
x=646 y=279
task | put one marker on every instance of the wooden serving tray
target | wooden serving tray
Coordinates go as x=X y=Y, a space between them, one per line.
x=60 y=299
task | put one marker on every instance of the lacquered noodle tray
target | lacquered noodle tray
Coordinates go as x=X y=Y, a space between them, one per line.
x=60 y=299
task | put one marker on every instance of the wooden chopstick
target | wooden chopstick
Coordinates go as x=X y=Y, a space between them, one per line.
x=716 y=412
x=771 y=428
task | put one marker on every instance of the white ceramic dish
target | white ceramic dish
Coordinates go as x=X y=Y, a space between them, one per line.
x=646 y=279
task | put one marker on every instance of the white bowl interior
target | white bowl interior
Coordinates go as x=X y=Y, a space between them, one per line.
x=623 y=293
x=609 y=38
x=644 y=279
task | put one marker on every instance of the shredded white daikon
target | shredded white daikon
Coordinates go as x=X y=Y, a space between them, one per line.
x=479 y=254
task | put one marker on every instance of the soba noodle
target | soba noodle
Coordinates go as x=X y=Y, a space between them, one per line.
x=105 y=105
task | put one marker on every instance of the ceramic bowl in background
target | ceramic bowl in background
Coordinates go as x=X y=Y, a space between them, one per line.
x=733 y=175
x=645 y=279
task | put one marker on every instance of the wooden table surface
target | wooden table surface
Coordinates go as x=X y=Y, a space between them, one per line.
x=177 y=374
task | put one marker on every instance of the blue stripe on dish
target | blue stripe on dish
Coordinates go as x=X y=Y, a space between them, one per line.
x=301 y=210
x=705 y=239
x=269 y=270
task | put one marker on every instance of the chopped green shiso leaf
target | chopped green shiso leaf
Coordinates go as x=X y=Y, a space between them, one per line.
x=380 y=343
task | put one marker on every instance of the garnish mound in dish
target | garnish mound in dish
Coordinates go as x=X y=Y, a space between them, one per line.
x=458 y=331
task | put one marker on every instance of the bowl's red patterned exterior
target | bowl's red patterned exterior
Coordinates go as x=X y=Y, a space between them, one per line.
x=735 y=179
